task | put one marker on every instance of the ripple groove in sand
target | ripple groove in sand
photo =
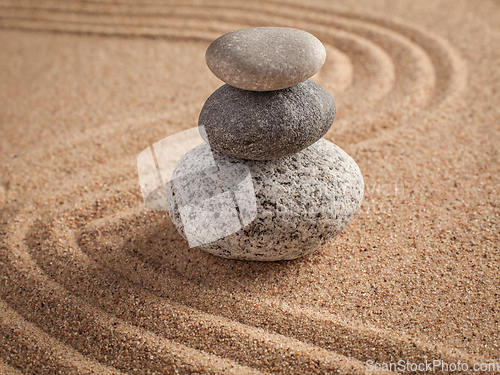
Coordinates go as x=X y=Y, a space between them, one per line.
x=103 y=338
x=418 y=81
x=374 y=71
x=48 y=353
x=192 y=323
x=205 y=332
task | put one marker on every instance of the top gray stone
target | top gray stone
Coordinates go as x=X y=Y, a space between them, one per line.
x=265 y=58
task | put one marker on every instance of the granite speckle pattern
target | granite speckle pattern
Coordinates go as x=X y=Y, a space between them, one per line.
x=266 y=125
x=297 y=203
x=265 y=58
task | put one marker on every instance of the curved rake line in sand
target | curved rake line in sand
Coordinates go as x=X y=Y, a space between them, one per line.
x=196 y=329
x=451 y=68
x=337 y=73
x=110 y=333
x=127 y=342
x=451 y=71
x=283 y=321
x=56 y=354
x=312 y=14
x=376 y=66
x=421 y=68
x=374 y=60
x=282 y=324
x=41 y=301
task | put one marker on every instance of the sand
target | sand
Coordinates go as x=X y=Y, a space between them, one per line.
x=91 y=281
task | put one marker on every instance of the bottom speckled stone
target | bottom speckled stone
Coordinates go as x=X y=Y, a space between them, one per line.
x=264 y=210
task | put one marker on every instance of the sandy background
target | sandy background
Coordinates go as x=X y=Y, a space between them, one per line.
x=93 y=282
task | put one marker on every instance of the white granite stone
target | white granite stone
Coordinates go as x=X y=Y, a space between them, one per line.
x=265 y=210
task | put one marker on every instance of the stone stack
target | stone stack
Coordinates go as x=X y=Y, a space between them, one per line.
x=265 y=185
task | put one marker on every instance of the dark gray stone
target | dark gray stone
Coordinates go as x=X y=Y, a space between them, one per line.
x=266 y=125
x=265 y=58
x=266 y=211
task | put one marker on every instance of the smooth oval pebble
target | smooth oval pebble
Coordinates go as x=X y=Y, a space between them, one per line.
x=266 y=125
x=265 y=58
x=264 y=210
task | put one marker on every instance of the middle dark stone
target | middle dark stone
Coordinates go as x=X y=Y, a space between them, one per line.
x=266 y=125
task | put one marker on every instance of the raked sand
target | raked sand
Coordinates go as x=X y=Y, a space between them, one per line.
x=91 y=281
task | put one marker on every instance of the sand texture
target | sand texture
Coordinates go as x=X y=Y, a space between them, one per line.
x=93 y=282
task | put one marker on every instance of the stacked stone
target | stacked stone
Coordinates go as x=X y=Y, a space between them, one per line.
x=293 y=191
